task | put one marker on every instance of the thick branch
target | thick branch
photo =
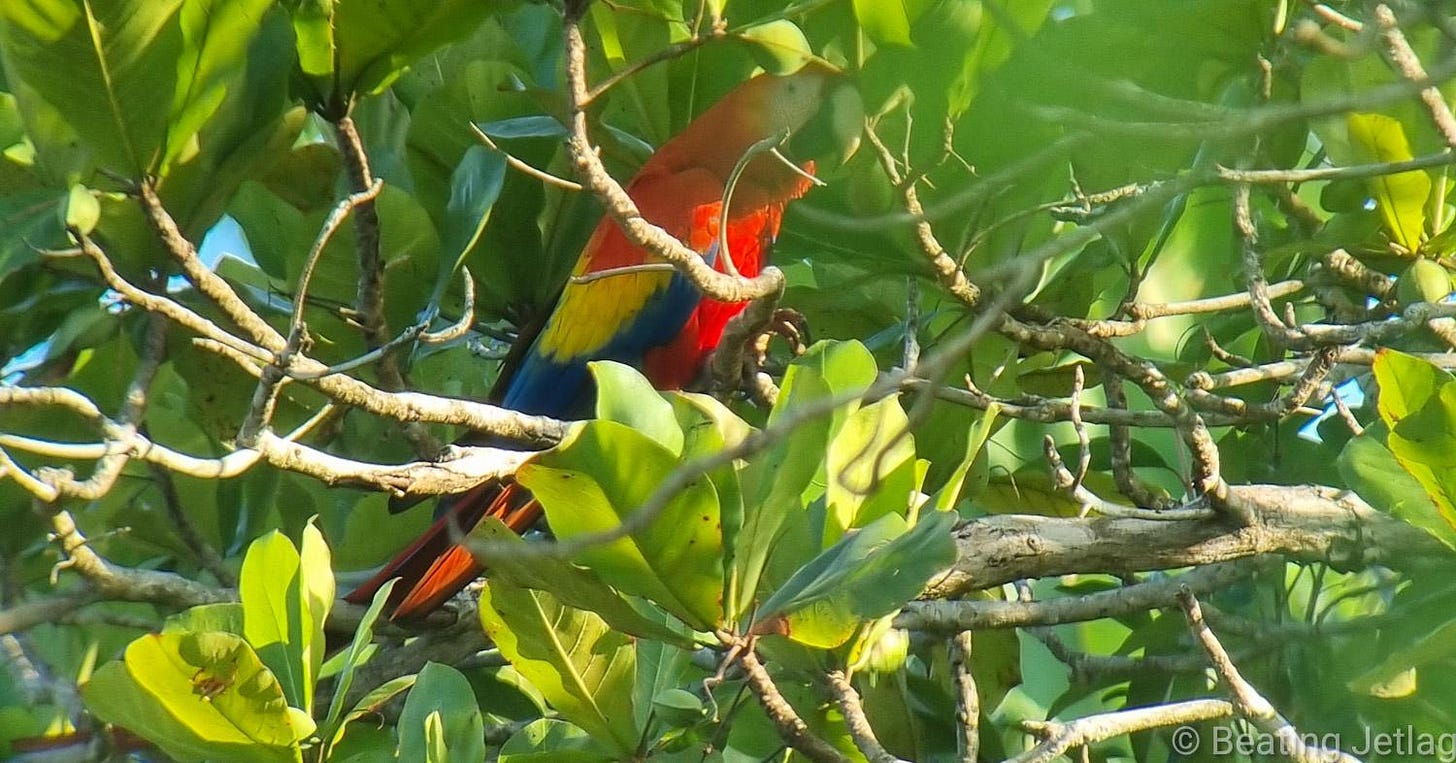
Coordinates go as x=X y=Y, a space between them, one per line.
x=1308 y=523
x=958 y=616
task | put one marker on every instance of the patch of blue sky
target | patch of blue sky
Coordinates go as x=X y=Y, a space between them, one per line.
x=1350 y=392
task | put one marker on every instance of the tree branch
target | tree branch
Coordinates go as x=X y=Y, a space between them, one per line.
x=1307 y=523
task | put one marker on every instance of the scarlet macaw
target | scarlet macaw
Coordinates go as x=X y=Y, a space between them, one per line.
x=654 y=320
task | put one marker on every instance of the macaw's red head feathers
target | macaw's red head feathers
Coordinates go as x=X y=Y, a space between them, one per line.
x=816 y=108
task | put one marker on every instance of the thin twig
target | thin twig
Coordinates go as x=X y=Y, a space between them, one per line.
x=794 y=731
x=968 y=701
x=1059 y=737
x=1248 y=702
x=1403 y=58
x=523 y=167
x=854 y=719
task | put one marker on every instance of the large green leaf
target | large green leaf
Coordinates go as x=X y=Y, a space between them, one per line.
x=441 y=702
x=1418 y=406
x=286 y=598
x=109 y=68
x=316 y=577
x=1400 y=197
x=884 y=21
x=579 y=664
x=946 y=497
x=780 y=483
x=570 y=584
x=599 y=476
x=1374 y=473
x=625 y=396
x=779 y=46
x=211 y=688
x=549 y=740
x=1406 y=383
x=218 y=684
x=364 y=45
x=474 y=187
x=215 y=37
x=869 y=574
x=113 y=696
x=708 y=427
x=1428 y=435
x=871 y=468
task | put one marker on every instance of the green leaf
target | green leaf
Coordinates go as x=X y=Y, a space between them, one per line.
x=660 y=666
x=1428 y=436
x=280 y=593
x=226 y=617
x=114 y=697
x=475 y=185
x=441 y=693
x=549 y=740
x=867 y=575
x=316 y=576
x=1406 y=383
x=215 y=37
x=1400 y=197
x=579 y=664
x=708 y=427
x=871 y=468
x=1375 y=474
x=369 y=706
x=363 y=637
x=779 y=484
x=945 y=498
x=81 y=211
x=108 y=68
x=625 y=396
x=884 y=21
x=779 y=46
x=599 y=476
x=996 y=37
x=570 y=584
x=28 y=221
x=313 y=30
x=216 y=686
x=374 y=41
x=223 y=668
x=1387 y=679
x=1417 y=403
x=678 y=708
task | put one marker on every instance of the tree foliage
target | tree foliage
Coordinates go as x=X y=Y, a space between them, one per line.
x=1130 y=315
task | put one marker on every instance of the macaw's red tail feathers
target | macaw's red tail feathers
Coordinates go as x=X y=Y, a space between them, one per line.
x=437 y=565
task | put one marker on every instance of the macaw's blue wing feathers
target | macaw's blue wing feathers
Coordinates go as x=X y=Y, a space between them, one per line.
x=623 y=313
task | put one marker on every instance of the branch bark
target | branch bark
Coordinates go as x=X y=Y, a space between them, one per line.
x=1306 y=523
